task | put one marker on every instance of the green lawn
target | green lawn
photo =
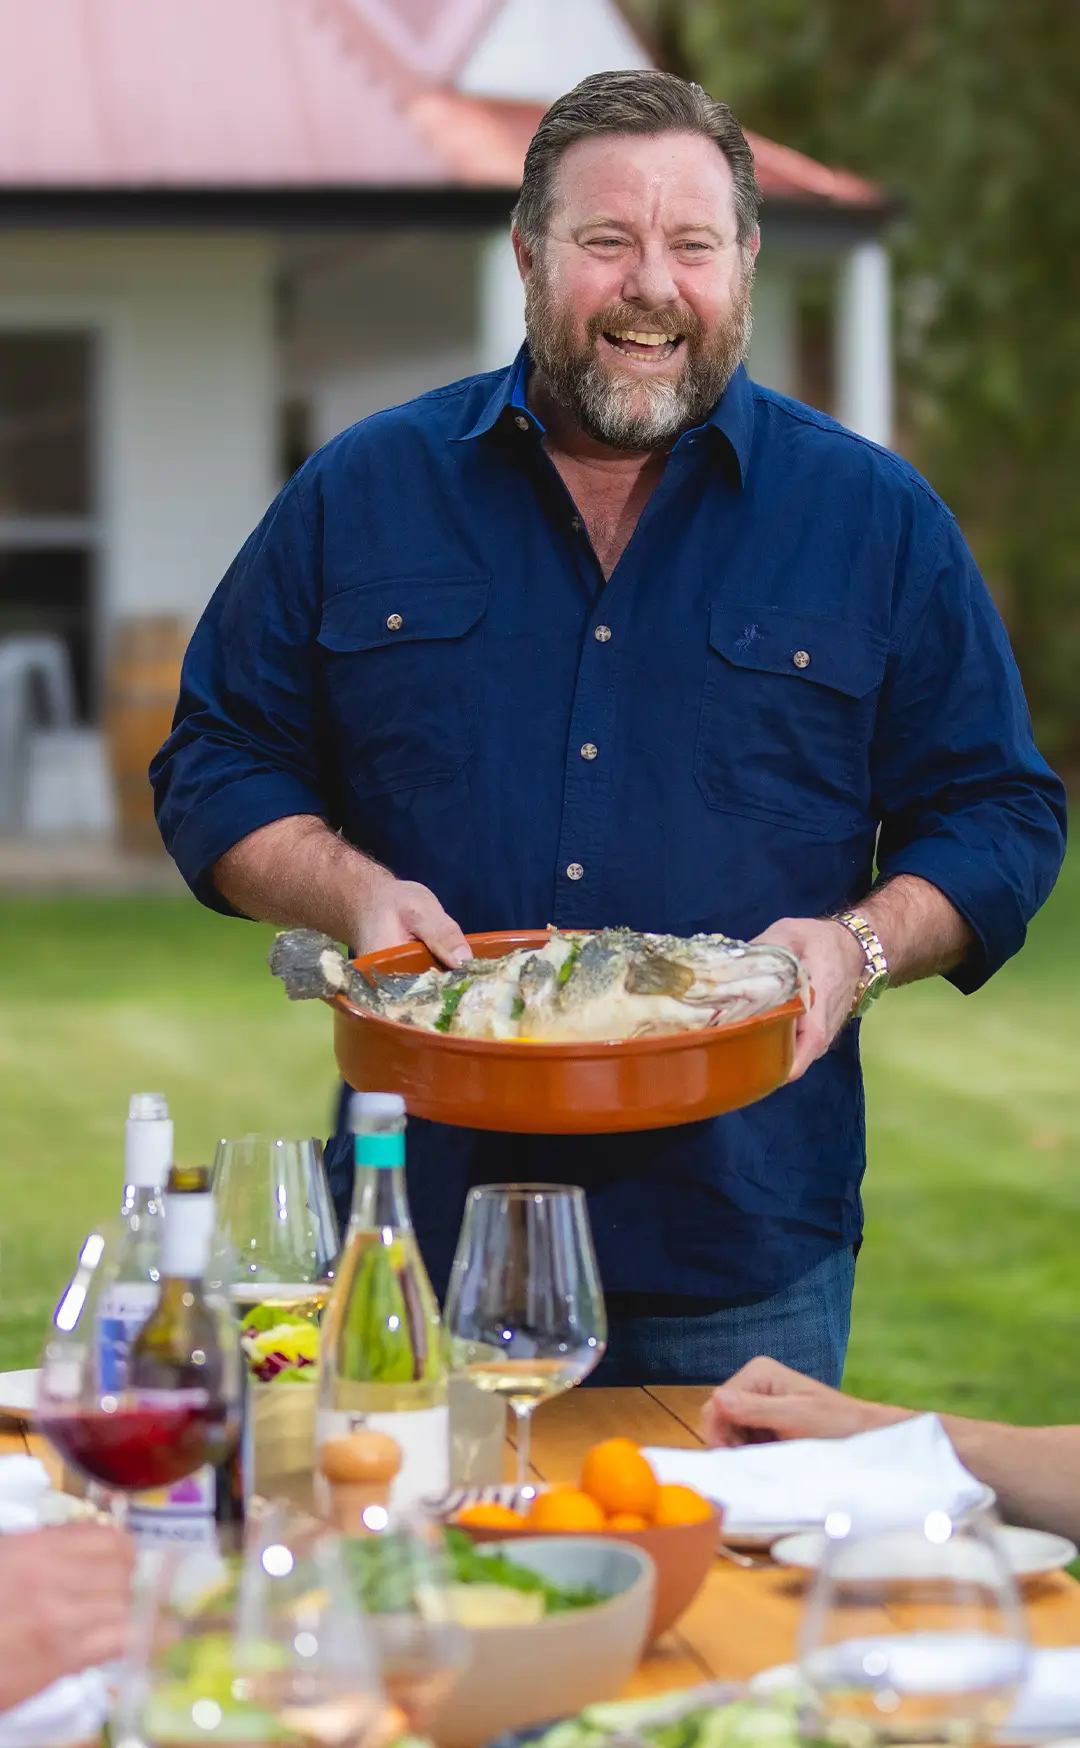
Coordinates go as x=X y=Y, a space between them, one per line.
x=968 y=1292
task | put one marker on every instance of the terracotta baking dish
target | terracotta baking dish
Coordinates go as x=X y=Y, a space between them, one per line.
x=559 y=1089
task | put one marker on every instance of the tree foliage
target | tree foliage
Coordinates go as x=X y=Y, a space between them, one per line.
x=967 y=111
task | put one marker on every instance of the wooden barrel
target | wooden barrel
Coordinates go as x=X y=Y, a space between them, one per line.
x=143 y=683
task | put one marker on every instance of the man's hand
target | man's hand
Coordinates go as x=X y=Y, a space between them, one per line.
x=394 y=911
x=299 y=874
x=766 y=1401
x=68 y=1599
x=835 y=962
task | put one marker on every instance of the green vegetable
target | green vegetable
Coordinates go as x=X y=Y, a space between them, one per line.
x=474 y=1566
x=382 y=1571
x=741 y=1724
x=517 y=1007
x=569 y=962
x=451 y=1003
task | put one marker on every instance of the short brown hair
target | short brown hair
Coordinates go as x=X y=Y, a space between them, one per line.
x=632 y=101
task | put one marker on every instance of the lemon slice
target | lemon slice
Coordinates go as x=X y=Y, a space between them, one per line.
x=482 y=1605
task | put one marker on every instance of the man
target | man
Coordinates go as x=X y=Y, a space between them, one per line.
x=66 y=1604
x=1034 y=1470
x=613 y=636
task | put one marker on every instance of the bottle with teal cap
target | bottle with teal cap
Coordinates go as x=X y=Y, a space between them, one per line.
x=382 y=1360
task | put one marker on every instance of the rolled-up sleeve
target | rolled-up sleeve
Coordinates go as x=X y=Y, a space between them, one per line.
x=242 y=751
x=965 y=798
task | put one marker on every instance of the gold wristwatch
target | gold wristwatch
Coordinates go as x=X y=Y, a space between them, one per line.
x=875 y=978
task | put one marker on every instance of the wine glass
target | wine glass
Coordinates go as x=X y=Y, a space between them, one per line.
x=912 y=1634
x=524 y=1312
x=272 y=1648
x=127 y=1436
x=274 y=1210
x=402 y=1578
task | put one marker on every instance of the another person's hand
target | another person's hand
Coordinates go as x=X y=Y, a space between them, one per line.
x=394 y=911
x=835 y=962
x=67 y=1599
x=766 y=1401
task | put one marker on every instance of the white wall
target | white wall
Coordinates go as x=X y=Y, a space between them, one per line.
x=773 y=349
x=188 y=394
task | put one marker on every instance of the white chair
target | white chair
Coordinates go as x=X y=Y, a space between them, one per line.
x=52 y=773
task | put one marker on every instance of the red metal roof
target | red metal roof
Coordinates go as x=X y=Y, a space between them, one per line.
x=124 y=94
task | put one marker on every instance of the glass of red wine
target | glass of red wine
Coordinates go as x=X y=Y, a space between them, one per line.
x=130 y=1414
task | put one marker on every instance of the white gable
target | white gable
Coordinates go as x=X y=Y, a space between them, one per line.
x=537 y=49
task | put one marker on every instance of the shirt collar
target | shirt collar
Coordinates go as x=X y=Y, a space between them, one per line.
x=732 y=416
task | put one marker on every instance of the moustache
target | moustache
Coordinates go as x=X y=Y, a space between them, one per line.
x=622 y=318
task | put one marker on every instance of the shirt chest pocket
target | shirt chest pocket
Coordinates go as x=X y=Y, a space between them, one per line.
x=787 y=714
x=401 y=659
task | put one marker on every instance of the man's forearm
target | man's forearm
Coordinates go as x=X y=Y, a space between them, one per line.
x=921 y=931
x=1034 y=1470
x=299 y=873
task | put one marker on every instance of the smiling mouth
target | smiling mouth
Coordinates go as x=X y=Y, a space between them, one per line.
x=641 y=343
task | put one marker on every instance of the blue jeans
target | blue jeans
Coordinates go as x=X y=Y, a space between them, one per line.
x=806 y=1325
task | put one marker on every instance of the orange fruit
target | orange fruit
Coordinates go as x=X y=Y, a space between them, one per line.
x=489 y=1517
x=630 y=1522
x=680 y=1505
x=565 y=1509
x=618 y=1477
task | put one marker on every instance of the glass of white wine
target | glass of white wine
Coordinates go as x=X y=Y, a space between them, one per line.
x=525 y=1312
x=275 y=1213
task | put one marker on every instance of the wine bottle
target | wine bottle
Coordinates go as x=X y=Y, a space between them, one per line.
x=136 y=1266
x=186 y=1356
x=382 y=1360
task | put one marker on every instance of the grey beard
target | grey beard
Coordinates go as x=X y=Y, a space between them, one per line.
x=608 y=408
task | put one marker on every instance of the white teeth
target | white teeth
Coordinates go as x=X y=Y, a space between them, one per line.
x=643 y=339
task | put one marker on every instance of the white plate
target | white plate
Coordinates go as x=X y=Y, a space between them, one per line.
x=1028 y=1552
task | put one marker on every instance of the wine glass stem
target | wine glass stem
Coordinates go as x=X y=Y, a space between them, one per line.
x=523 y=1430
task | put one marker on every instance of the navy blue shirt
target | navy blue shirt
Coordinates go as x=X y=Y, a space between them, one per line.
x=794 y=653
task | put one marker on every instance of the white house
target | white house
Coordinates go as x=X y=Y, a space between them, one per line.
x=228 y=228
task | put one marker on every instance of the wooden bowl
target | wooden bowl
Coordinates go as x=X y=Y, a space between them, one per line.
x=559 y=1089
x=682 y=1554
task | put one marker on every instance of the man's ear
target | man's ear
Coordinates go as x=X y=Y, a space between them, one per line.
x=523 y=255
x=755 y=243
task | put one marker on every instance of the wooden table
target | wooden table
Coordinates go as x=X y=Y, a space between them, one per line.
x=742 y=1621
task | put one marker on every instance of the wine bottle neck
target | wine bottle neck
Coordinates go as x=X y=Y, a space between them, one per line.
x=380 y=1199
x=188 y=1235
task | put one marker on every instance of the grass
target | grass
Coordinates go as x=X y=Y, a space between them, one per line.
x=968 y=1292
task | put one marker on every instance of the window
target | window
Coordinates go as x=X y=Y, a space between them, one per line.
x=48 y=528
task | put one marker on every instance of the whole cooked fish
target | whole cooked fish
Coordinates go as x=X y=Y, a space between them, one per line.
x=617 y=983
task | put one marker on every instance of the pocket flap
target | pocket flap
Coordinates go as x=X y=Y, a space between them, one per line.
x=827 y=652
x=401 y=610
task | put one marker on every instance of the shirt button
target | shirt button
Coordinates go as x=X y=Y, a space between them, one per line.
x=395 y=622
x=602 y=633
x=576 y=524
x=801 y=658
x=521 y=422
x=575 y=871
x=588 y=751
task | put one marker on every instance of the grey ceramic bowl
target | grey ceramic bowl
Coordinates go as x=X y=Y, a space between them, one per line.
x=520 y=1675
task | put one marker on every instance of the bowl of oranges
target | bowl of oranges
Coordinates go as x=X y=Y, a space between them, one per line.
x=619 y=1495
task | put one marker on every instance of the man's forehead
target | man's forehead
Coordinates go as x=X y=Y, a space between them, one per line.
x=681 y=175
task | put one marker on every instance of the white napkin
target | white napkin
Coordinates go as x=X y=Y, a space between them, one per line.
x=1049 y=1701
x=73 y=1709
x=23 y=1480
x=894 y=1475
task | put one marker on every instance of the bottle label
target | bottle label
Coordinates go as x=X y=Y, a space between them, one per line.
x=421 y=1434
x=188 y=1235
x=183 y=1512
x=122 y=1311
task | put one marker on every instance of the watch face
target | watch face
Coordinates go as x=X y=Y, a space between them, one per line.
x=877 y=985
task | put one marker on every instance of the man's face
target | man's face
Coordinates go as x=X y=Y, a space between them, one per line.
x=637 y=304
